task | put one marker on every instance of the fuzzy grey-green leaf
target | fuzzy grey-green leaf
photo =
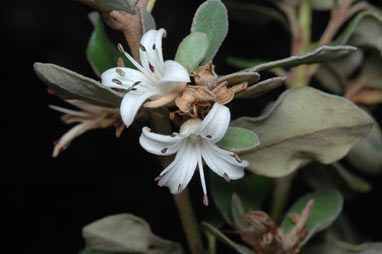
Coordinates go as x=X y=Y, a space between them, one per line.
x=117 y=5
x=261 y=88
x=238 y=140
x=304 y=124
x=147 y=20
x=326 y=208
x=211 y=18
x=318 y=55
x=192 y=50
x=71 y=85
x=126 y=233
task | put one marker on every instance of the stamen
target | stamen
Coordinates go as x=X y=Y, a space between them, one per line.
x=154 y=46
x=116 y=81
x=136 y=83
x=226 y=178
x=237 y=158
x=156 y=179
x=209 y=136
x=205 y=200
x=173 y=135
x=120 y=72
x=152 y=69
x=180 y=188
x=142 y=47
x=164 y=150
x=120 y=48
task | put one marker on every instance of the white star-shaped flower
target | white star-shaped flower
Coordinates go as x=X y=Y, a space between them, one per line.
x=197 y=139
x=152 y=80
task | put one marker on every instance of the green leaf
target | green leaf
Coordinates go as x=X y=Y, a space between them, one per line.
x=261 y=88
x=326 y=208
x=324 y=5
x=252 y=190
x=304 y=124
x=337 y=247
x=355 y=182
x=366 y=155
x=101 y=52
x=117 y=5
x=70 y=85
x=238 y=212
x=238 y=140
x=318 y=55
x=211 y=18
x=192 y=50
x=126 y=233
x=371 y=73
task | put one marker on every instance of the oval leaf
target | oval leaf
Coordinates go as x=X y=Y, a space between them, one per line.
x=147 y=20
x=211 y=18
x=192 y=50
x=126 y=233
x=238 y=139
x=236 y=78
x=101 y=52
x=70 y=85
x=117 y=5
x=326 y=208
x=304 y=124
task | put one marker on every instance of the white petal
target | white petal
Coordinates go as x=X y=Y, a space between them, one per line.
x=159 y=144
x=219 y=161
x=180 y=171
x=131 y=103
x=174 y=72
x=152 y=52
x=126 y=76
x=215 y=124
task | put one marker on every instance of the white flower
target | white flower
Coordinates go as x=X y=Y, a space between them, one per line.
x=154 y=79
x=197 y=139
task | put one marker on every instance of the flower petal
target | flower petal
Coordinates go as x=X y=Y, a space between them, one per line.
x=215 y=125
x=159 y=144
x=126 y=76
x=174 y=72
x=151 y=51
x=221 y=161
x=131 y=103
x=181 y=170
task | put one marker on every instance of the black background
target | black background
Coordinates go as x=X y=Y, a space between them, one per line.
x=48 y=200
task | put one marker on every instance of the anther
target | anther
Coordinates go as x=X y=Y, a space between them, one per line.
x=154 y=46
x=116 y=81
x=152 y=69
x=209 y=136
x=156 y=179
x=142 y=47
x=164 y=150
x=226 y=178
x=120 y=72
x=136 y=83
x=173 y=135
x=120 y=48
x=237 y=158
x=205 y=200
x=180 y=188
x=50 y=91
